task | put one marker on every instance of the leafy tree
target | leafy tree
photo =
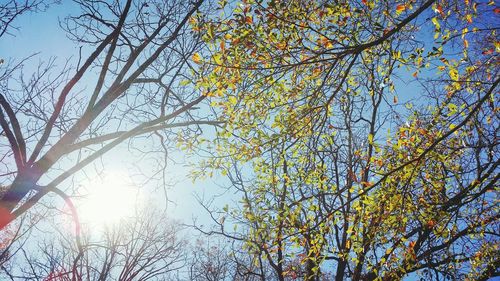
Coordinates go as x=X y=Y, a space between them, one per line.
x=334 y=171
x=362 y=136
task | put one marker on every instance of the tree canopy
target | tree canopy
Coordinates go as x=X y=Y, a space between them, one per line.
x=360 y=136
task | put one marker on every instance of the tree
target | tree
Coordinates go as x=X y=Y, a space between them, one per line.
x=12 y=9
x=148 y=246
x=136 y=54
x=362 y=136
x=309 y=90
x=222 y=259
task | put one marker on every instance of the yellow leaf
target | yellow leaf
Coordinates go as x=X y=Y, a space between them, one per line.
x=453 y=74
x=196 y=58
x=184 y=82
x=232 y=100
x=281 y=45
x=218 y=59
x=436 y=22
x=464 y=31
x=468 y=18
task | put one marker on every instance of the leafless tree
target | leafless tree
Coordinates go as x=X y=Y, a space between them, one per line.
x=135 y=55
x=10 y=10
x=148 y=246
x=216 y=258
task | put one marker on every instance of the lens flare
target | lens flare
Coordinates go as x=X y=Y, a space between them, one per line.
x=107 y=200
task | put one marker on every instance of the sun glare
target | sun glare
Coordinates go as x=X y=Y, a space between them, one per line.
x=107 y=200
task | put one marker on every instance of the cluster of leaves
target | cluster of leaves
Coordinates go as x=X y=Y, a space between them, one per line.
x=307 y=90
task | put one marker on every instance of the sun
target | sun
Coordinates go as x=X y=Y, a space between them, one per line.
x=107 y=200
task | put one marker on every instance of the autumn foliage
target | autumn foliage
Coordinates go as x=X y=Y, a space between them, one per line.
x=363 y=135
